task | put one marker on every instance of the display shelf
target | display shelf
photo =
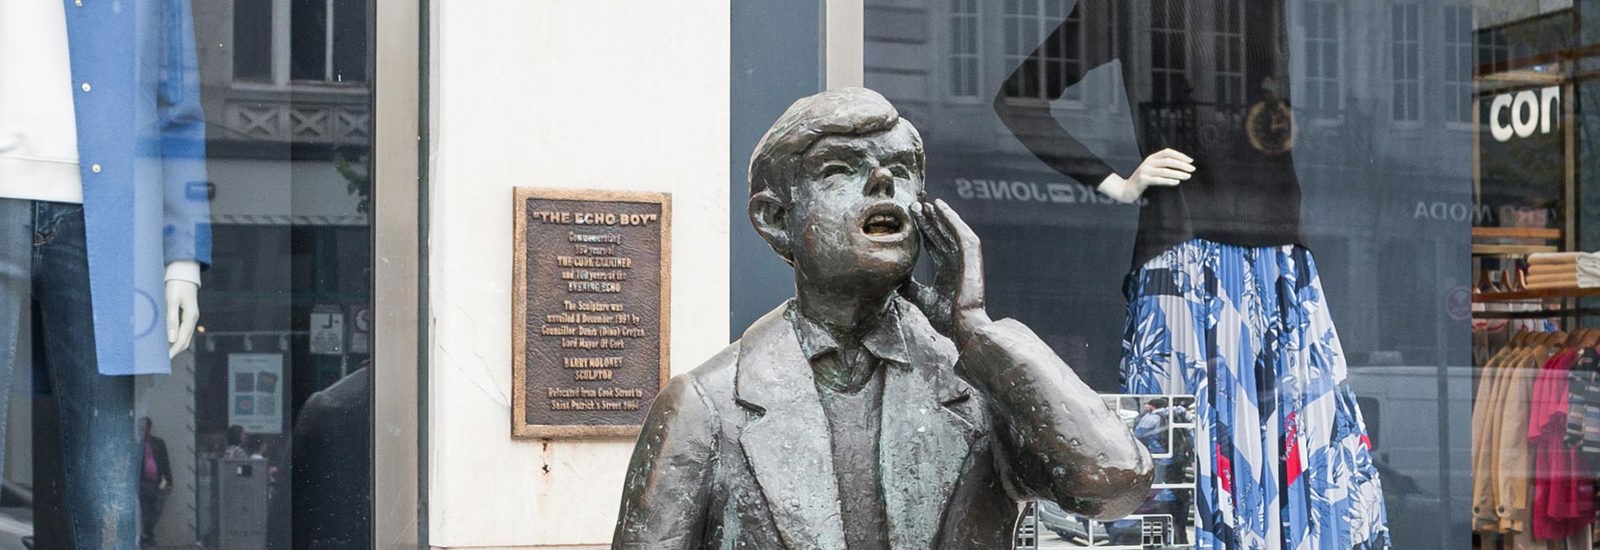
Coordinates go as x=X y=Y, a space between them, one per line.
x=1540 y=294
x=1516 y=233
x=1513 y=249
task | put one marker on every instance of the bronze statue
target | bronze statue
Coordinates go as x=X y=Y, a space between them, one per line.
x=870 y=411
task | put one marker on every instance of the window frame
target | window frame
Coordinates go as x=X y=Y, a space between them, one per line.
x=1461 y=56
x=953 y=50
x=1412 y=86
x=1075 y=97
x=281 y=54
x=1331 y=84
x=1236 y=35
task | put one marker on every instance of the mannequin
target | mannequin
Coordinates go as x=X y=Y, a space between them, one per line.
x=1224 y=300
x=103 y=233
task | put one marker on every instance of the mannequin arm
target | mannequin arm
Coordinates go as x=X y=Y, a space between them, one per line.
x=1166 y=168
x=183 y=310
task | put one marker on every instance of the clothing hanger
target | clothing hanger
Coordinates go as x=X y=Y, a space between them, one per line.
x=1572 y=340
x=1590 y=338
x=1553 y=338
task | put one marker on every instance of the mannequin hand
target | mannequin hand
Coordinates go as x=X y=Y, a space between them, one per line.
x=1166 y=168
x=957 y=295
x=183 y=313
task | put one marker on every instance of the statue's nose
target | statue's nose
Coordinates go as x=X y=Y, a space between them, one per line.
x=880 y=182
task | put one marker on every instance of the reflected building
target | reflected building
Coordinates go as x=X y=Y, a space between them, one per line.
x=287 y=97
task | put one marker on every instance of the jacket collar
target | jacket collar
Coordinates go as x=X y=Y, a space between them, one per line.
x=883 y=340
x=922 y=443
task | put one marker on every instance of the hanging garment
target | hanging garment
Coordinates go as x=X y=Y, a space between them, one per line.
x=1512 y=468
x=1583 y=418
x=1284 y=458
x=1485 y=431
x=1563 y=503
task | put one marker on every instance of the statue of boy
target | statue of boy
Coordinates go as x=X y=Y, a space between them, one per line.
x=869 y=412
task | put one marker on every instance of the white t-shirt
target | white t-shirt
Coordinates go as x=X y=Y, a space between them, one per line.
x=38 y=129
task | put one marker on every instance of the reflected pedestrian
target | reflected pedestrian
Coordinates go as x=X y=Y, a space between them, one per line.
x=155 y=480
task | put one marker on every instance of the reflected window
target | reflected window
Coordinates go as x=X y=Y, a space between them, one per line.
x=1230 y=52
x=252 y=40
x=1323 y=98
x=329 y=42
x=1406 y=62
x=965 y=48
x=1168 y=60
x=1027 y=23
x=1457 y=82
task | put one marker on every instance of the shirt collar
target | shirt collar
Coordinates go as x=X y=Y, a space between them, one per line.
x=884 y=340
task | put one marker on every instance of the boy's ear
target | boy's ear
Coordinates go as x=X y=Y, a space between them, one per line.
x=770 y=216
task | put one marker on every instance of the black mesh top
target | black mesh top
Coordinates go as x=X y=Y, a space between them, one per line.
x=1194 y=91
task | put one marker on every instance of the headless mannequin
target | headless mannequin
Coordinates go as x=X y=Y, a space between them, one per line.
x=41 y=190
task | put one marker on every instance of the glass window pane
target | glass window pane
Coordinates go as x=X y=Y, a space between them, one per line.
x=308 y=40
x=229 y=199
x=1344 y=122
x=252 y=39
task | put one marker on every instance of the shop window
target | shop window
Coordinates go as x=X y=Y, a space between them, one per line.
x=1406 y=62
x=1027 y=24
x=252 y=217
x=1324 y=98
x=966 y=48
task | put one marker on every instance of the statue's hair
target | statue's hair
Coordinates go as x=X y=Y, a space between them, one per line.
x=838 y=112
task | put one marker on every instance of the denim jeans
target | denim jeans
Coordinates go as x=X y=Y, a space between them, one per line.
x=88 y=497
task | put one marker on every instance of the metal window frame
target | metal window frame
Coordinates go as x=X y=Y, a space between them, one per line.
x=400 y=31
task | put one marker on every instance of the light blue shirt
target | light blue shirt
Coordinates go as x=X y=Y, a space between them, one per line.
x=141 y=157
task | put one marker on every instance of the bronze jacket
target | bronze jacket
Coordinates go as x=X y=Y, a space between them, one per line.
x=736 y=453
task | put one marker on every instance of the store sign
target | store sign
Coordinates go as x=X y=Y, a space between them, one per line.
x=1523 y=113
x=590 y=311
x=1521 y=157
x=255 y=392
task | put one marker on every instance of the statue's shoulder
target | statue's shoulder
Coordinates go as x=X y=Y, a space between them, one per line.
x=717 y=372
x=765 y=340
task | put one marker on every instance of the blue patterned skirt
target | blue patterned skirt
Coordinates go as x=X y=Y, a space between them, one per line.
x=1283 y=458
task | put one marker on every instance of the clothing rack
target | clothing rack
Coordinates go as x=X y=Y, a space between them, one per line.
x=1536 y=442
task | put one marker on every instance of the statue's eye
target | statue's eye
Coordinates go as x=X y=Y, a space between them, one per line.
x=900 y=171
x=835 y=169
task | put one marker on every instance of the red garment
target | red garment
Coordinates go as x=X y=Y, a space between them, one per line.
x=1563 y=498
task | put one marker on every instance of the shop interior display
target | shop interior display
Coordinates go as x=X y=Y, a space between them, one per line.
x=1220 y=225
x=1536 y=441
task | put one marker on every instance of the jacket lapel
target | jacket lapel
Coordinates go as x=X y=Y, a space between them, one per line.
x=788 y=447
x=923 y=443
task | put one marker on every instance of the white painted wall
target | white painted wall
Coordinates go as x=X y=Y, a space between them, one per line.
x=602 y=94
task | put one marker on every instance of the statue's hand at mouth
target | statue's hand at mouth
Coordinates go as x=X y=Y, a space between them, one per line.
x=954 y=304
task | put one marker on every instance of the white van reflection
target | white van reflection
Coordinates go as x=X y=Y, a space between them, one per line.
x=16 y=517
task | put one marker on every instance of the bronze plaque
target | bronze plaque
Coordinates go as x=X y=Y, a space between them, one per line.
x=590 y=319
